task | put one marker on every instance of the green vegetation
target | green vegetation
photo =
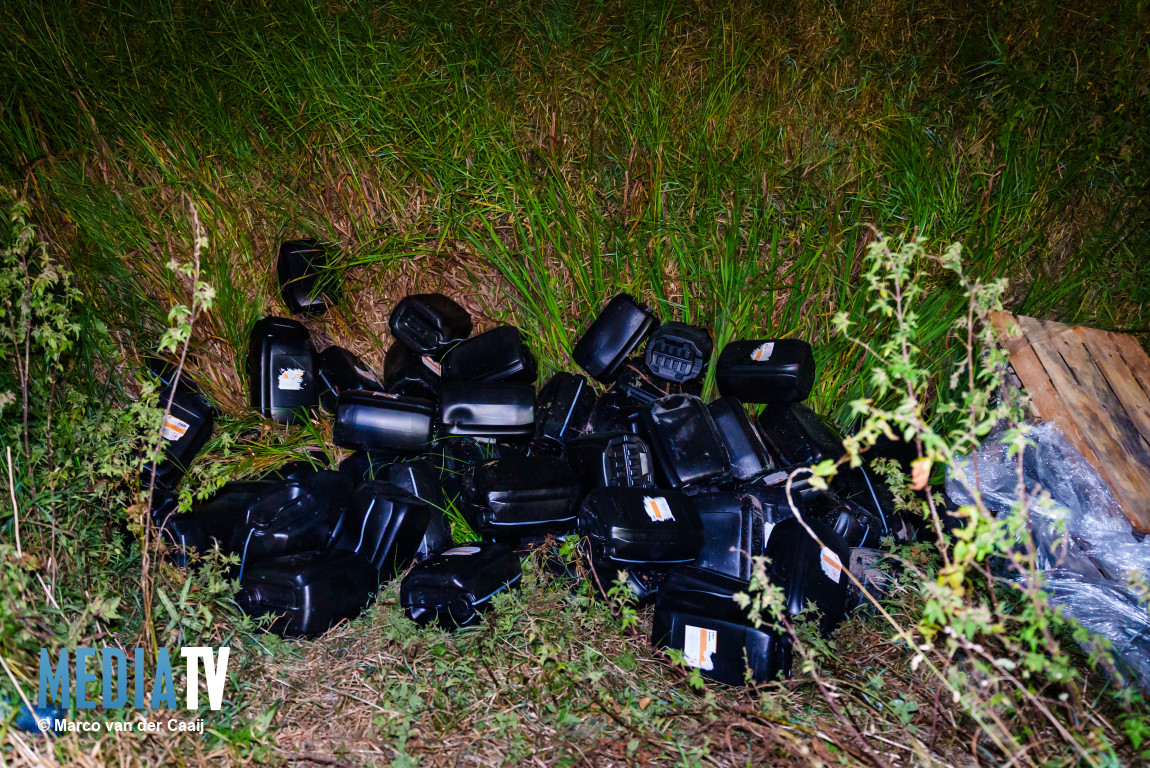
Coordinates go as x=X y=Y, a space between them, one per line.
x=731 y=166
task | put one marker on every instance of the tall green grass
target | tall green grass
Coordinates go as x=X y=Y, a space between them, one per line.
x=725 y=164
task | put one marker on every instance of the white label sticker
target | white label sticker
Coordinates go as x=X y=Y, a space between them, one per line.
x=767 y=528
x=832 y=566
x=291 y=378
x=435 y=367
x=657 y=509
x=462 y=551
x=763 y=352
x=698 y=646
x=389 y=395
x=174 y=428
x=366 y=374
x=775 y=478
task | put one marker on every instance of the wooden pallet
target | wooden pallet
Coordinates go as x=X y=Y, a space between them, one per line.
x=1095 y=385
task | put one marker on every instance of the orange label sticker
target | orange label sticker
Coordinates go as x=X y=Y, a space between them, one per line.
x=435 y=367
x=832 y=565
x=290 y=379
x=699 y=645
x=763 y=352
x=462 y=551
x=657 y=508
x=174 y=428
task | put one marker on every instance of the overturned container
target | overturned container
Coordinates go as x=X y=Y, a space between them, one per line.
x=679 y=352
x=734 y=532
x=766 y=370
x=209 y=523
x=496 y=355
x=303 y=285
x=384 y=524
x=308 y=592
x=380 y=421
x=187 y=425
x=620 y=327
x=857 y=525
x=798 y=436
x=640 y=531
x=562 y=410
x=409 y=373
x=747 y=455
x=281 y=370
x=635 y=388
x=686 y=443
x=454 y=587
x=429 y=323
x=421 y=478
x=295 y=517
x=807 y=572
x=503 y=411
x=513 y=498
x=605 y=459
x=696 y=614
x=340 y=370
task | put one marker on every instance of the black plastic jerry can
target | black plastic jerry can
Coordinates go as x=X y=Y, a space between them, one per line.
x=300 y=269
x=766 y=370
x=186 y=428
x=496 y=355
x=453 y=587
x=807 y=572
x=685 y=440
x=857 y=525
x=640 y=528
x=734 y=531
x=617 y=331
x=420 y=478
x=679 y=352
x=281 y=371
x=503 y=411
x=798 y=436
x=380 y=421
x=696 y=614
x=429 y=323
x=308 y=592
x=635 y=388
x=516 y=497
x=746 y=452
x=296 y=517
x=213 y=521
x=384 y=524
x=562 y=410
x=642 y=586
x=340 y=370
x=603 y=459
x=409 y=373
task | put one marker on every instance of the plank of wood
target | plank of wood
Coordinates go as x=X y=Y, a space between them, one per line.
x=1104 y=351
x=1136 y=358
x=1087 y=394
x=1045 y=401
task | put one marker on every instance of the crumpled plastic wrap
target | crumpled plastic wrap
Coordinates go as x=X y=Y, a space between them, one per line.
x=1085 y=545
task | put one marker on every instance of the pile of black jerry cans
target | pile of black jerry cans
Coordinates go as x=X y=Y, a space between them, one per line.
x=671 y=494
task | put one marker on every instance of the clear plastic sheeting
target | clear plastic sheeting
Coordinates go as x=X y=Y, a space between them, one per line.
x=1084 y=543
x=1110 y=611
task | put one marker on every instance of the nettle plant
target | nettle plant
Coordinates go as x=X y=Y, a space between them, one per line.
x=975 y=620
